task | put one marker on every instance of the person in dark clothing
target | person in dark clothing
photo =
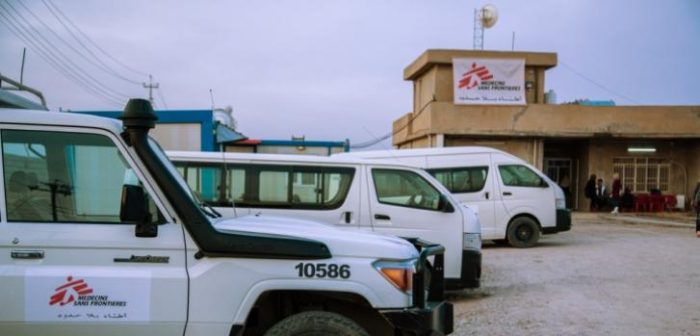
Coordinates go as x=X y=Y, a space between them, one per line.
x=589 y=191
x=615 y=196
x=627 y=200
x=601 y=195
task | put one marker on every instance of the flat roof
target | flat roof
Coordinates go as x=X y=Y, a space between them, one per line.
x=444 y=56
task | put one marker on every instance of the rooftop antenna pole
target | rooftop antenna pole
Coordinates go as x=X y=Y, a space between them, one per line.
x=211 y=95
x=484 y=18
x=21 y=71
x=512 y=46
x=150 y=86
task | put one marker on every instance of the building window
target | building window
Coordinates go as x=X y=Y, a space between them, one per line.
x=643 y=174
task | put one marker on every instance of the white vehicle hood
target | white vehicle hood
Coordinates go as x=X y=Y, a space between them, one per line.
x=341 y=242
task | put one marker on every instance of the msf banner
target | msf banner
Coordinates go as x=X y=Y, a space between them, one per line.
x=481 y=81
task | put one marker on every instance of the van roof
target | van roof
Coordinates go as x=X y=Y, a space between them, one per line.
x=302 y=159
x=38 y=117
x=393 y=153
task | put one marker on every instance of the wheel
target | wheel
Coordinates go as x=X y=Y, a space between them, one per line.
x=314 y=323
x=523 y=232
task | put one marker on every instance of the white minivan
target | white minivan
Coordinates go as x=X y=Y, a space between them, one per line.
x=386 y=197
x=516 y=202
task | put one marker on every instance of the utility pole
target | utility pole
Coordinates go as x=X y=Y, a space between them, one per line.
x=150 y=86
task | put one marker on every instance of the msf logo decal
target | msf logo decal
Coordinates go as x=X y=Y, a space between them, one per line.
x=70 y=291
x=474 y=77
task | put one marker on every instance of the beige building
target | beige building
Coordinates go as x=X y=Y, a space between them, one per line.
x=652 y=147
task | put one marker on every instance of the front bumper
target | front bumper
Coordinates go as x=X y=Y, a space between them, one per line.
x=563 y=222
x=434 y=319
x=430 y=314
x=470 y=276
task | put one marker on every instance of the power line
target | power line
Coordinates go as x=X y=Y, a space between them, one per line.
x=44 y=55
x=69 y=68
x=89 y=40
x=392 y=133
x=58 y=50
x=160 y=95
x=601 y=86
x=94 y=60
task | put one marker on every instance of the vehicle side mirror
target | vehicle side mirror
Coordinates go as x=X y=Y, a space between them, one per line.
x=134 y=210
x=444 y=204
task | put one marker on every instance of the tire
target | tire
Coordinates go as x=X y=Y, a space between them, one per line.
x=523 y=232
x=316 y=323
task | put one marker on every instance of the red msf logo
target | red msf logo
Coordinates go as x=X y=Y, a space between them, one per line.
x=472 y=78
x=70 y=291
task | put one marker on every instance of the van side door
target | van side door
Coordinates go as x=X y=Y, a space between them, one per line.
x=524 y=191
x=69 y=263
x=470 y=179
x=403 y=203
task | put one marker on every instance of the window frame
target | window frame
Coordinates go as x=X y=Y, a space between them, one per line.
x=376 y=190
x=130 y=162
x=257 y=169
x=543 y=182
x=622 y=163
x=452 y=170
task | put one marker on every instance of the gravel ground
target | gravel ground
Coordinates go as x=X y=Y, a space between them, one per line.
x=604 y=277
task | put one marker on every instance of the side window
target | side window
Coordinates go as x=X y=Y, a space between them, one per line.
x=462 y=180
x=405 y=188
x=516 y=175
x=205 y=181
x=292 y=187
x=63 y=177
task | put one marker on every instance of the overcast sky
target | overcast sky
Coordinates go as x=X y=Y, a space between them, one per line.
x=331 y=69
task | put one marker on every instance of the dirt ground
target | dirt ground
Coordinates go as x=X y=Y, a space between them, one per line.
x=604 y=277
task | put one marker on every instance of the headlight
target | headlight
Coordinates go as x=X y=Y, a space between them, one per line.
x=399 y=273
x=472 y=241
x=560 y=203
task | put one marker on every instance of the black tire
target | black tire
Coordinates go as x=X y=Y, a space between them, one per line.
x=523 y=232
x=313 y=323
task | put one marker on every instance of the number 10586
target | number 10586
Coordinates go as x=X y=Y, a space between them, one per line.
x=322 y=270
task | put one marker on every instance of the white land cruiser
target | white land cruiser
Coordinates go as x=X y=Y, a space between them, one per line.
x=100 y=235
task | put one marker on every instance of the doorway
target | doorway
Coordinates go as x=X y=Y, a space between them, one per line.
x=565 y=172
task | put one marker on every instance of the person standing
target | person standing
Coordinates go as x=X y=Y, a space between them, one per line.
x=601 y=197
x=615 y=196
x=589 y=192
x=565 y=184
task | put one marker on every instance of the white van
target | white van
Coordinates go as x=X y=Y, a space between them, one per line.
x=386 y=197
x=516 y=202
x=99 y=235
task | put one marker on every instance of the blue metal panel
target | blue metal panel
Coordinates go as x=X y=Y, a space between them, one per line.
x=202 y=117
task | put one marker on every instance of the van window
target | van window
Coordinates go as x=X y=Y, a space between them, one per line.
x=63 y=177
x=205 y=181
x=273 y=186
x=463 y=179
x=405 y=188
x=516 y=175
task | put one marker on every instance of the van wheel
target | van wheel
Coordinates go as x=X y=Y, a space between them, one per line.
x=316 y=323
x=523 y=232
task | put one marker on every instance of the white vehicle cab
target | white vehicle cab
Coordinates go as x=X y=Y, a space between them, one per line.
x=99 y=234
x=516 y=202
x=386 y=197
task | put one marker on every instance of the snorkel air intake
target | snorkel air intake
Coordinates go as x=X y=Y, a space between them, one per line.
x=138 y=118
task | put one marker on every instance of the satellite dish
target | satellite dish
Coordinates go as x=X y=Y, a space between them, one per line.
x=488 y=16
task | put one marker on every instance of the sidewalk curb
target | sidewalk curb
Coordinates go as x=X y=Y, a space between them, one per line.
x=646 y=220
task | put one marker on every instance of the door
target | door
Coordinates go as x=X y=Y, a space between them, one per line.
x=403 y=203
x=564 y=171
x=70 y=265
x=471 y=180
x=523 y=191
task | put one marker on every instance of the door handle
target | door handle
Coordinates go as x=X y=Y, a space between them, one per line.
x=382 y=217
x=507 y=193
x=486 y=194
x=27 y=254
x=347 y=215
